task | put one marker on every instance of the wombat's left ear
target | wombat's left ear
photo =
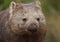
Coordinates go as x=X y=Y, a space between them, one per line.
x=37 y=3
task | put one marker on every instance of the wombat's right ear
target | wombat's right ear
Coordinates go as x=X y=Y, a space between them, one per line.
x=11 y=9
x=12 y=6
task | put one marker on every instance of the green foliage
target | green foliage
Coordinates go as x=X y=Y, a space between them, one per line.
x=4 y=4
x=51 y=38
x=1 y=2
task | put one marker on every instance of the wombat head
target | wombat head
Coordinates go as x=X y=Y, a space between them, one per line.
x=26 y=18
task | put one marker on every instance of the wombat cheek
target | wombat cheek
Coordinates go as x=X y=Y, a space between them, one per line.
x=15 y=29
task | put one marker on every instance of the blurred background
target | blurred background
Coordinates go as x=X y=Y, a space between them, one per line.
x=51 y=9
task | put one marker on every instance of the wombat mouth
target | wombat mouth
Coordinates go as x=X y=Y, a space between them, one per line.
x=25 y=36
x=32 y=38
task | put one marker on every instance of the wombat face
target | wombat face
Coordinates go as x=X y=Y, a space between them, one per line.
x=26 y=18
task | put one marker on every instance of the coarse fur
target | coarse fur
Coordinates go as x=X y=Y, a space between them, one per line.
x=15 y=22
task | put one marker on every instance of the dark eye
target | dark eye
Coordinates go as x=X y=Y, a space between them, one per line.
x=38 y=19
x=24 y=19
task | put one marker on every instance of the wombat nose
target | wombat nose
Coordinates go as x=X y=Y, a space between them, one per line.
x=32 y=30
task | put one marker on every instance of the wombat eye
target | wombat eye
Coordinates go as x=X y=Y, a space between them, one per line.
x=38 y=19
x=24 y=19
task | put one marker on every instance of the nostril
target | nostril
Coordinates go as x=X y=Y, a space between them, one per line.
x=38 y=19
x=24 y=19
x=32 y=29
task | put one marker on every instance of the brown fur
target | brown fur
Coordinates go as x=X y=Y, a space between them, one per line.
x=13 y=29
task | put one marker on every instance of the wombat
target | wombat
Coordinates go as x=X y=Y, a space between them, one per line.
x=23 y=23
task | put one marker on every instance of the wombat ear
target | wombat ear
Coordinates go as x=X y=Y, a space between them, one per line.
x=37 y=3
x=12 y=6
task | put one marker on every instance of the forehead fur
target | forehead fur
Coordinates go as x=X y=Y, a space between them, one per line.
x=21 y=6
x=28 y=10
